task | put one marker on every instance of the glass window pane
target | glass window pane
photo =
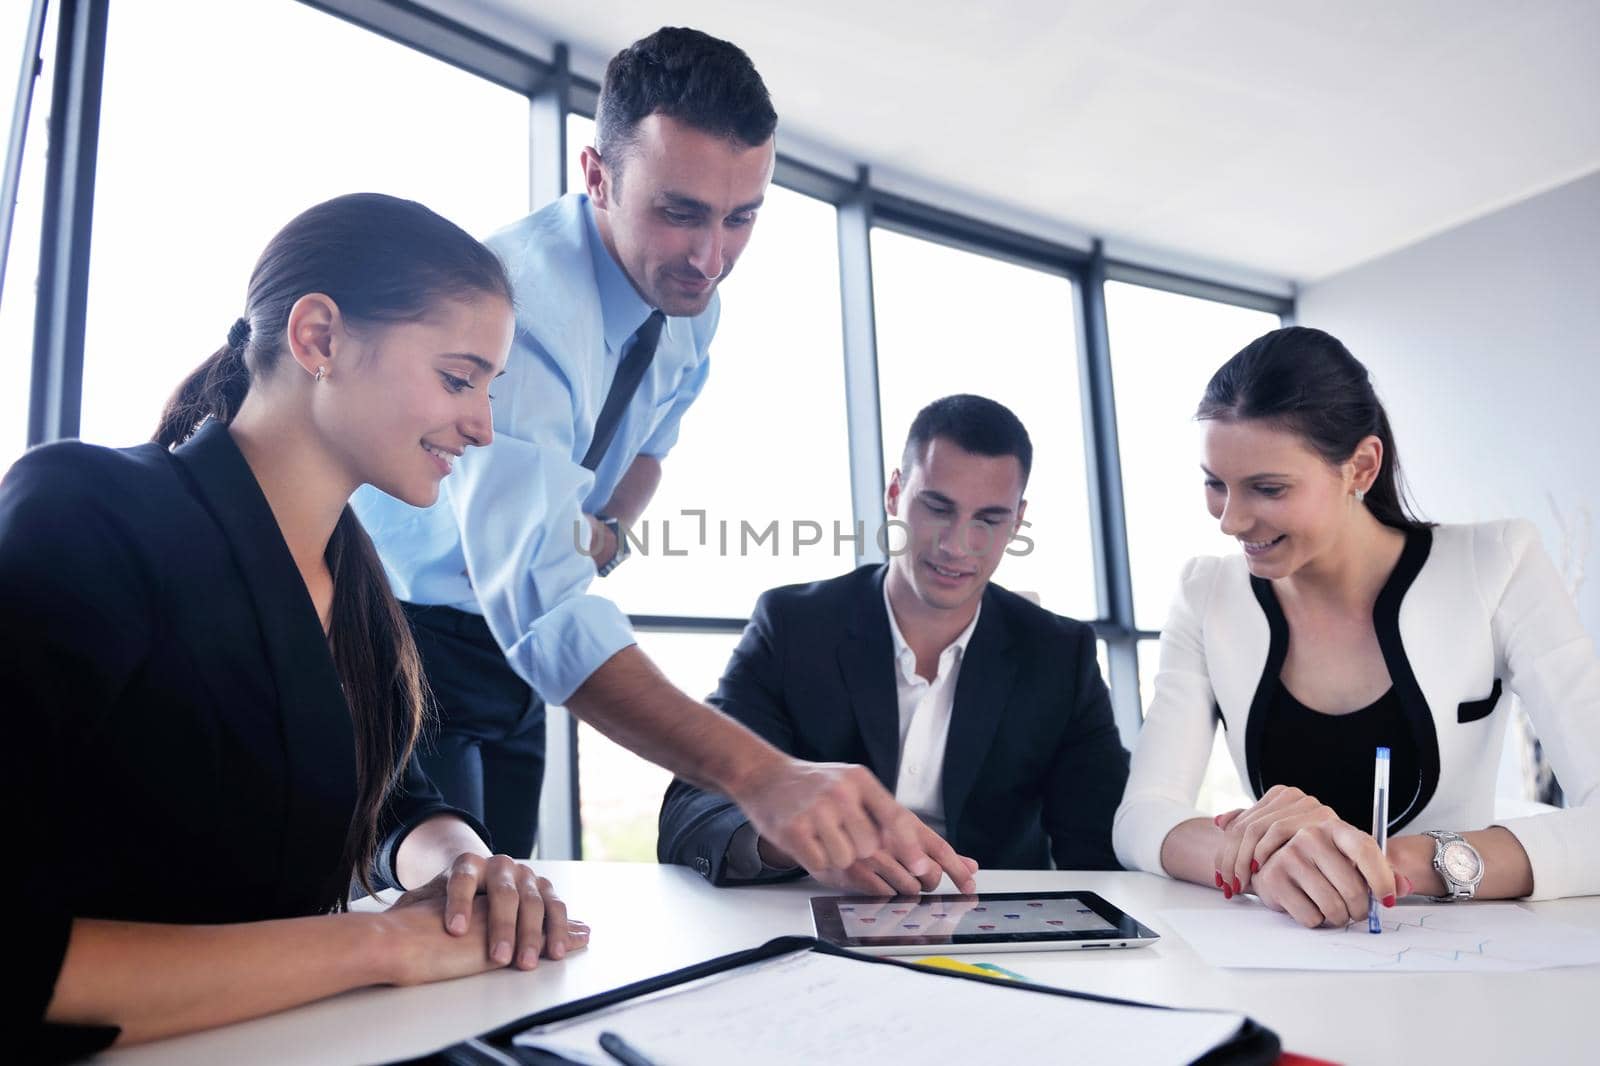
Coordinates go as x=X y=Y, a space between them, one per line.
x=1164 y=348
x=1220 y=789
x=580 y=135
x=207 y=148
x=766 y=441
x=950 y=321
x=22 y=264
x=620 y=793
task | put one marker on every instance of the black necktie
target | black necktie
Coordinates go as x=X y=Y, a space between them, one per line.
x=629 y=373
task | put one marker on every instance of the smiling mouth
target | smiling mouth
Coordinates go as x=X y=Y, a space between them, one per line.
x=1256 y=547
x=447 y=458
x=953 y=575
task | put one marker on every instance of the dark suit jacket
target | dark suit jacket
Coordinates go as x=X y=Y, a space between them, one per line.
x=175 y=731
x=1033 y=767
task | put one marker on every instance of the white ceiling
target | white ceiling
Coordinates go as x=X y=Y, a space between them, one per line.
x=1293 y=140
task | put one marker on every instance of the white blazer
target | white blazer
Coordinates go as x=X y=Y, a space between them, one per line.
x=1470 y=612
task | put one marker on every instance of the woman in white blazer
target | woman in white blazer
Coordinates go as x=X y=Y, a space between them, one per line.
x=1346 y=623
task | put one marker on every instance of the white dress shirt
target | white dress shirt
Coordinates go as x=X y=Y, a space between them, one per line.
x=925 y=708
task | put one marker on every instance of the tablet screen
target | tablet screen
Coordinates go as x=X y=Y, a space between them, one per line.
x=987 y=918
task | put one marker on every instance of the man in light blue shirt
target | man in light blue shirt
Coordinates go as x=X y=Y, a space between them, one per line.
x=614 y=286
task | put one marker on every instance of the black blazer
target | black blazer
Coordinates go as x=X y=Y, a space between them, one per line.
x=175 y=731
x=1033 y=766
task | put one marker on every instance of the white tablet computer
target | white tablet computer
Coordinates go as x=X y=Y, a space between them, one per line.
x=985 y=923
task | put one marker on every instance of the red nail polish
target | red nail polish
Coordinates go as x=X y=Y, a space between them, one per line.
x=1388 y=901
x=1227 y=893
x=1255 y=867
x=1219 y=879
x=1236 y=885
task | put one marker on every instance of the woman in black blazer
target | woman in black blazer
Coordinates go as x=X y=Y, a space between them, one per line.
x=211 y=698
x=1392 y=632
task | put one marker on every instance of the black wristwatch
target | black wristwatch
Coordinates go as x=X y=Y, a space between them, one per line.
x=621 y=553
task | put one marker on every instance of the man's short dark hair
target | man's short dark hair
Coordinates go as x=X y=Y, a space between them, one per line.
x=975 y=424
x=685 y=75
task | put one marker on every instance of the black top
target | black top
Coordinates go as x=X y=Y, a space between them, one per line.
x=1033 y=766
x=1406 y=803
x=1330 y=756
x=175 y=730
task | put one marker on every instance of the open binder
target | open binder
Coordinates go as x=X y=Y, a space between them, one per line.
x=1240 y=1040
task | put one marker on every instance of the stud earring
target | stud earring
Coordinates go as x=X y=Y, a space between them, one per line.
x=319 y=373
x=1361 y=494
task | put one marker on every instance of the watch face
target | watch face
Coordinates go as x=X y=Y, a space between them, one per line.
x=1461 y=862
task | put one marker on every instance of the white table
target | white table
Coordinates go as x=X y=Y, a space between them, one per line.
x=650 y=919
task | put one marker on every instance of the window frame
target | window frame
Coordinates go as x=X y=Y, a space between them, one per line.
x=553 y=91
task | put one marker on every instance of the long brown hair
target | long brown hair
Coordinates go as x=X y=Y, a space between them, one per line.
x=380 y=259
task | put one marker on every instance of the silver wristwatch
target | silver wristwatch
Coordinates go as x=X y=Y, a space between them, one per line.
x=1458 y=863
x=618 y=556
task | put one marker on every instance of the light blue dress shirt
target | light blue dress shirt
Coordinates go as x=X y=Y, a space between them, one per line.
x=500 y=541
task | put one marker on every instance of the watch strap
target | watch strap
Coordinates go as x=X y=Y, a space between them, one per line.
x=621 y=552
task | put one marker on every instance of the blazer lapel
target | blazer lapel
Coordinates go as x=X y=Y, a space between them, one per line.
x=866 y=661
x=317 y=735
x=987 y=672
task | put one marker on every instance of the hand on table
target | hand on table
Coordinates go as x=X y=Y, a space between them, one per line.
x=519 y=914
x=837 y=820
x=1251 y=835
x=1298 y=857
x=1315 y=881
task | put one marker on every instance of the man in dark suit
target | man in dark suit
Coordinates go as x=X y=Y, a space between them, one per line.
x=984 y=713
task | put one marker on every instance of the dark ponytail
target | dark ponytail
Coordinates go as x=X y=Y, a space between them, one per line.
x=215 y=389
x=381 y=260
x=1306 y=381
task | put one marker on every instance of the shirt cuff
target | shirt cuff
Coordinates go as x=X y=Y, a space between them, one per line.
x=1562 y=851
x=568 y=643
x=390 y=848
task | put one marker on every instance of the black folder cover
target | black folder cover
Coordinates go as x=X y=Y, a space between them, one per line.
x=1253 y=1044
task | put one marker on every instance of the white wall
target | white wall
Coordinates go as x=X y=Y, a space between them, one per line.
x=1484 y=342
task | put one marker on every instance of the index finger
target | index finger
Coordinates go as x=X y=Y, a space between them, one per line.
x=926 y=853
x=466 y=874
x=1361 y=849
x=961 y=869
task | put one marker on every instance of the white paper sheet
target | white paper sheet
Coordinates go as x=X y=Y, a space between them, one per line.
x=1443 y=937
x=812 y=1008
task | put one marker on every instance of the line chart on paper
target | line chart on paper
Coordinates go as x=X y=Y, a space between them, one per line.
x=1439 y=938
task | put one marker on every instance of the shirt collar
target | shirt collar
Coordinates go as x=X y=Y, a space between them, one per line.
x=956 y=648
x=622 y=309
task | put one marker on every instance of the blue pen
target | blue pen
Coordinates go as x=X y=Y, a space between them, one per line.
x=1380 y=826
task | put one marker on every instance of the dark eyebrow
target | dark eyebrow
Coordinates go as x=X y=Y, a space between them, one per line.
x=689 y=203
x=476 y=360
x=1252 y=477
x=932 y=496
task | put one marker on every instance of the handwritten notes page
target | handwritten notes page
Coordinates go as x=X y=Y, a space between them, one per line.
x=1443 y=937
x=809 y=1008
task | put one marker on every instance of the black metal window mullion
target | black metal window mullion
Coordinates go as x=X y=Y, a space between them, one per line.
x=56 y=386
x=561 y=805
x=1107 y=507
